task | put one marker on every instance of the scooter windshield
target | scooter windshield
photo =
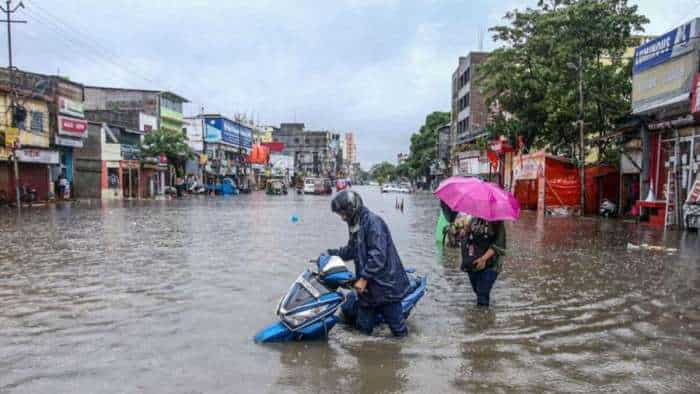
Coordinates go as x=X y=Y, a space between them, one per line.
x=306 y=289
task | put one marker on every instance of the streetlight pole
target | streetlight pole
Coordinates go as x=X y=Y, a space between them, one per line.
x=582 y=150
x=582 y=162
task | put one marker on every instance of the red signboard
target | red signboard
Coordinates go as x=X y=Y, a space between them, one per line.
x=72 y=127
x=694 y=91
x=274 y=146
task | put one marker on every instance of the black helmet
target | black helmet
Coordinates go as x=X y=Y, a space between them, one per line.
x=347 y=203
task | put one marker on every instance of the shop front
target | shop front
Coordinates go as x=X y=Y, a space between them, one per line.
x=71 y=128
x=154 y=176
x=34 y=173
x=546 y=183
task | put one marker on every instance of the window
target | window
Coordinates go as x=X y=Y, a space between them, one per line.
x=172 y=105
x=36 y=121
x=296 y=141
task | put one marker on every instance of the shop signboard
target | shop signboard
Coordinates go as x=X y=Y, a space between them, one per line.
x=72 y=127
x=468 y=163
x=37 y=156
x=664 y=85
x=70 y=107
x=528 y=166
x=694 y=193
x=11 y=135
x=672 y=44
x=72 y=142
x=129 y=152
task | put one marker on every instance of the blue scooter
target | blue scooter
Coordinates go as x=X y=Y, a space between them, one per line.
x=308 y=310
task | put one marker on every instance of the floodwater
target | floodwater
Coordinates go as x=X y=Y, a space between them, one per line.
x=165 y=296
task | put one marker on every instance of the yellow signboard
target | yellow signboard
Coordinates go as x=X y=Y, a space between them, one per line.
x=663 y=82
x=11 y=135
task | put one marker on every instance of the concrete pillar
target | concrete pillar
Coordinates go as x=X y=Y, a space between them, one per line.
x=644 y=180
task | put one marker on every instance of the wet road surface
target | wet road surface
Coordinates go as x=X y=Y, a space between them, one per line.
x=165 y=296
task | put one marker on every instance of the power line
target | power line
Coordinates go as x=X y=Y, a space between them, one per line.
x=82 y=43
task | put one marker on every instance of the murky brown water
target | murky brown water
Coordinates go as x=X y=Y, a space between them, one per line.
x=166 y=296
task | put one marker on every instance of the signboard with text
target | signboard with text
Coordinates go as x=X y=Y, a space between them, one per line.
x=37 y=156
x=229 y=132
x=72 y=127
x=72 y=142
x=676 y=42
x=664 y=85
x=71 y=108
x=528 y=166
x=11 y=135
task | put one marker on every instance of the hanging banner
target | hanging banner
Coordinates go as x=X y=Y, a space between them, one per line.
x=72 y=127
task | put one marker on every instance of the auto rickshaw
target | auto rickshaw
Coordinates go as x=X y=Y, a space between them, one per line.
x=275 y=187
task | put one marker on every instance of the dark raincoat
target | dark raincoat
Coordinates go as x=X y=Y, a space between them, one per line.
x=376 y=260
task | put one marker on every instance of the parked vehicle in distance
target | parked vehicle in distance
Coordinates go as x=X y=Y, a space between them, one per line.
x=309 y=186
x=373 y=183
x=324 y=186
x=396 y=188
x=276 y=187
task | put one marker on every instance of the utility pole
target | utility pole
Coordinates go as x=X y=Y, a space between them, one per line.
x=8 y=10
x=582 y=163
x=582 y=150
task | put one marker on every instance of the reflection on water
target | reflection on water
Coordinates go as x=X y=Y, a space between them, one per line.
x=164 y=296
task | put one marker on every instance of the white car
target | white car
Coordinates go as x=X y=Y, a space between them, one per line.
x=309 y=186
x=392 y=188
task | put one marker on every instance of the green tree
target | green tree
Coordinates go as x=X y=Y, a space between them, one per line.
x=173 y=145
x=383 y=172
x=535 y=75
x=423 y=149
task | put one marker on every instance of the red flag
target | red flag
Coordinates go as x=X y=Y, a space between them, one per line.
x=493 y=158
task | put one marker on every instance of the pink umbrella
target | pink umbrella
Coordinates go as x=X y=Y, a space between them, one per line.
x=478 y=198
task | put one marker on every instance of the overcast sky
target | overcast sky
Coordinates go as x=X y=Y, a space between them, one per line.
x=374 y=67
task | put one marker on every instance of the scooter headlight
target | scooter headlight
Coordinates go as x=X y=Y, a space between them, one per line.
x=299 y=318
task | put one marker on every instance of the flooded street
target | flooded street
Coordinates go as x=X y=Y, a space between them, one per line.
x=165 y=296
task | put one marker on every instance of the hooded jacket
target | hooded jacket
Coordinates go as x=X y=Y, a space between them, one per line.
x=372 y=249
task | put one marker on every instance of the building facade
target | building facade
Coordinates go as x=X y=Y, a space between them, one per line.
x=45 y=124
x=661 y=160
x=226 y=144
x=165 y=106
x=312 y=151
x=350 y=153
x=108 y=166
x=469 y=111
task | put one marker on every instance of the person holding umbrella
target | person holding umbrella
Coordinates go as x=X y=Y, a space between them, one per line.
x=483 y=243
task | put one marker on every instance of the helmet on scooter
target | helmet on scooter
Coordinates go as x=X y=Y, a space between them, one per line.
x=347 y=204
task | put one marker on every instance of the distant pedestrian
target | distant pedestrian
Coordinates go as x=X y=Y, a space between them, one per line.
x=62 y=185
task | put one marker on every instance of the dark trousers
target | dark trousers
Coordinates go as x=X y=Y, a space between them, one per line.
x=482 y=282
x=392 y=314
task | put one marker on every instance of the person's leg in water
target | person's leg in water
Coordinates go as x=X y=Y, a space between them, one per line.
x=393 y=316
x=366 y=319
x=482 y=283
